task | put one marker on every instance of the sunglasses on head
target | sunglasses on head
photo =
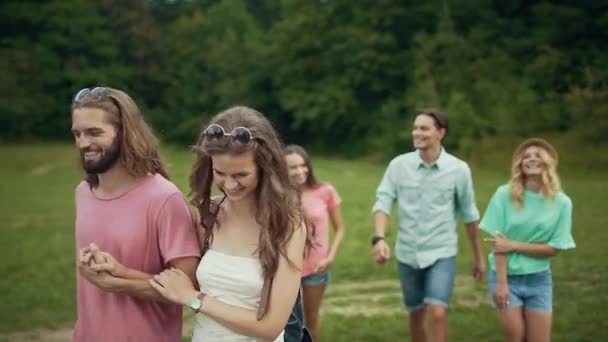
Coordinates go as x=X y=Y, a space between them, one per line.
x=97 y=93
x=239 y=134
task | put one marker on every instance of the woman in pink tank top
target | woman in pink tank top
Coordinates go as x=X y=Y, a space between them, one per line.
x=321 y=206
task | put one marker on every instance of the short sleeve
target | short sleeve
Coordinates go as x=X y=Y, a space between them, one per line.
x=176 y=233
x=332 y=198
x=494 y=218
x=562 y=237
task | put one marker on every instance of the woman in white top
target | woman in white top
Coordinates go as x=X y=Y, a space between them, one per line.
x=252 y=239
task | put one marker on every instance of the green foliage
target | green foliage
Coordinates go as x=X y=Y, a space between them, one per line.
x=589 y=104
x=339 y=76
x=214 y=59
x=336 y=67
x=49 y=55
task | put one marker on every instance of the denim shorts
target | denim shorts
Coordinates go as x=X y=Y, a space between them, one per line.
x=316 y=279
x=430 y=285
x=532 y=291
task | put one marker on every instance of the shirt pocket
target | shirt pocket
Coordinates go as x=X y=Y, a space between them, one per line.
x=442 y=194
x=410 y=192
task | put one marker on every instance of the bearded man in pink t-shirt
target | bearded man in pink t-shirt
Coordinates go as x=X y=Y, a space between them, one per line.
x=131 y=223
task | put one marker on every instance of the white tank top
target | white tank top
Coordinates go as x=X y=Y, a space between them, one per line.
x=233 y=280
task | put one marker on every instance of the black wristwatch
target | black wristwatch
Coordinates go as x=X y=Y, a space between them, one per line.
x=376 y=238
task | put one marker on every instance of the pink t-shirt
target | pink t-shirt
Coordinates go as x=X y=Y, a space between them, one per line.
x=144 y=229
x=316 y=205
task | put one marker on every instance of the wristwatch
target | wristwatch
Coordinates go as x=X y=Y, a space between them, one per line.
x=197 y=303
x=376 y=238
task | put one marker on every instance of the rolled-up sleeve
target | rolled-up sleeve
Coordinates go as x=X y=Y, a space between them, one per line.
x=466 y=196
x=387 y=191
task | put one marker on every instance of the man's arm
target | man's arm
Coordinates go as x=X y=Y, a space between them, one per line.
x=380 y=222
x=479 y=264
x=385 y=196
x=381 y=250
x=178 y=245
x=470 y=214
x=140 y=287
x=101 y=269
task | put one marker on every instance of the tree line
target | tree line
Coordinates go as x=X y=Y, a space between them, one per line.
x=340 y=75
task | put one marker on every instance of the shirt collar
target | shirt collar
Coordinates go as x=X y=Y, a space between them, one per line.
x=436 y=164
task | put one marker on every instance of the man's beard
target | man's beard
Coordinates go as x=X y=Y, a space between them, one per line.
x=107 y=159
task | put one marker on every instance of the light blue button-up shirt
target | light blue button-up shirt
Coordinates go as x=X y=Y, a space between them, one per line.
x=429 y=198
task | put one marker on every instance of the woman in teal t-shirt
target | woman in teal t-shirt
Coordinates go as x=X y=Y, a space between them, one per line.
x=530 y=221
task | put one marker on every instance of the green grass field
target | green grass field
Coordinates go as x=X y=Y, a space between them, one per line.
x=363 y=302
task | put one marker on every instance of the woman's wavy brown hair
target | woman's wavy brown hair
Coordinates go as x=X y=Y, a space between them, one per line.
x=277 y=204
x=311 y=180
x=139 y=147
x=551 y=184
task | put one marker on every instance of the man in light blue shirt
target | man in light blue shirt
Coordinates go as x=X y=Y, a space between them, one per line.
x=431 y=188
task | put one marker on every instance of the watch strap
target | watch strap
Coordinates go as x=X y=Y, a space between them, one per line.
x=376 y=238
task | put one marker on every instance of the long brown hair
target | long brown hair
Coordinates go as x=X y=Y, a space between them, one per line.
x=551 y=184
x=139 y=147
x=311 y=180
x=277 y=204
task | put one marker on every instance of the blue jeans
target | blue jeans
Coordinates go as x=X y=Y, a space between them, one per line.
x=295 y=330
x=430 y=285
x=533 y=291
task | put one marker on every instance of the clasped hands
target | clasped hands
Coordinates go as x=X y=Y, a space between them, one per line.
x=98 y=267
x=102 y=270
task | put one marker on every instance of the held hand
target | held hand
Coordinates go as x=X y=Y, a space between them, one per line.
x=88 y=258
x=105 y=262
x=84 y=269
x=479 y=269
x=501 y=296
x=174 y=285
x=85 y=259
x=322 y=265
x=85 y=256
x=90 y=254
x=381 y=252
x=501 y=244
x=102 y=280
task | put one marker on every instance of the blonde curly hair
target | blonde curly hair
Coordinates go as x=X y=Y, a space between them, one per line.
x=551 y=184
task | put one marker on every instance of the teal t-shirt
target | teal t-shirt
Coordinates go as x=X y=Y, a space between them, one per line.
x=540 y=220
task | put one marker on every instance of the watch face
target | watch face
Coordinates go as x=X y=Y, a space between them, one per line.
x=195 y=304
